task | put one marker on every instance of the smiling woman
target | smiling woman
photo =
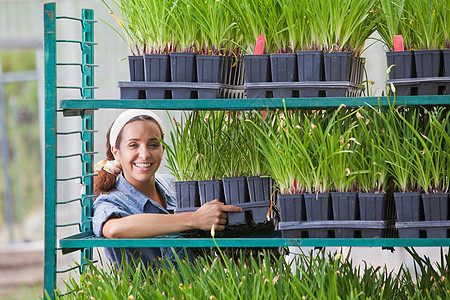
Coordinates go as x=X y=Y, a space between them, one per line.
x=137 y=202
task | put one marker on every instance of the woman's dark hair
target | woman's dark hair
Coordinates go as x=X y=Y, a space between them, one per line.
x=104 y=182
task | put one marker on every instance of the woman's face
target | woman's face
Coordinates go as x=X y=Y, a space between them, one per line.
x=140 y=152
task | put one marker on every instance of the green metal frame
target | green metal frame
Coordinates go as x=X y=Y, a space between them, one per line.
x=262 y=103
x=86 y=89
x=84 y=108
x=50 y=148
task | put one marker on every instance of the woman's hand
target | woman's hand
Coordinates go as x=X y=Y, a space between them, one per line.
x=213 y=212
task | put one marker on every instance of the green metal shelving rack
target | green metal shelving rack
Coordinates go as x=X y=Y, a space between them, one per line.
x=85 y=107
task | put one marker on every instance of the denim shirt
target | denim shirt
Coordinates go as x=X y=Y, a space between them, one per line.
x=126 y=200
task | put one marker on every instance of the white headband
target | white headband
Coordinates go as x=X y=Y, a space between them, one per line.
x=126 y=116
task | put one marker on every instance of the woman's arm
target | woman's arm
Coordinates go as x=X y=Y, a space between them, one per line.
x=150 y=225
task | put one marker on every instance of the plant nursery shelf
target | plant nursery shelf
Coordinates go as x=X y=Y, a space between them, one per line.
x=87 y=239
x=256 y=103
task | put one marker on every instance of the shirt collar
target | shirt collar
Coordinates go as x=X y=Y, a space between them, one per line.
x=136 y=196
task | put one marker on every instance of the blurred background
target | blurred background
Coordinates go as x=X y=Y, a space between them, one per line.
x=21 y=135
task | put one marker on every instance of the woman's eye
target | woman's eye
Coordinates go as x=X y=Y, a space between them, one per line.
x=132 y=145
x=154 y=145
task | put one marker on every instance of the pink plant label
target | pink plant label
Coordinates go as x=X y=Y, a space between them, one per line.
x=398 y=43
x=259 y=47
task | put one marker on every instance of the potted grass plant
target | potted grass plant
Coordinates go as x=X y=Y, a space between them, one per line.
x=310 y=54
x=430 y=161
x=428 y=39
x=283 y=62
x=248 y=15
x=126 y=16
x=261 y=185
x=445 y=16
x=342 y=28
x=155 y=22
x=274 y=138
x=181 y=161
x=235 y=171
x=209 y=139
x=343 y=145
x=375 y=204
x=183 y=57
x=394 y=22
x=398 y=152
x=217 y=50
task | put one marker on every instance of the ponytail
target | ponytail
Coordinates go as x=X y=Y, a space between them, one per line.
x=105 y=181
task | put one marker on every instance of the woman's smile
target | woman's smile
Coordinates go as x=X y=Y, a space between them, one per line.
x=143 y=165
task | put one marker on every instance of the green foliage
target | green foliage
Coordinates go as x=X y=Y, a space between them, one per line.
x=218 y=27
x=212 y=145
x=424 y=24
x=393 y=22
x=342 y=25
x=319 y=275
x=181 y=156
x=370 y=149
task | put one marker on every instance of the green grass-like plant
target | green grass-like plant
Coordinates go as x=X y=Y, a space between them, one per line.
x=393 y=22
x=313 y=275
x=216 y=26
x=370 y=162
x=425 y=23
x=181 y=152
x=342 y=25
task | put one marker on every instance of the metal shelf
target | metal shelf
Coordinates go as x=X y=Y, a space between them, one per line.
x=249 y=104
x=87 y=239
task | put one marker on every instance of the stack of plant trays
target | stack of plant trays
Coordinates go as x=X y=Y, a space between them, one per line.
x=337 y=215
x=423 y=215
x=419 y=72
x=183 y=76
x=253 y=194
x=304 y=74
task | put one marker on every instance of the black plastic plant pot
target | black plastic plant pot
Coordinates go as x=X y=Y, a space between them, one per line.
x=409 y=207
x=187 y=194
x=235 y=193
x=183 y=67
x=210 y=190
x=157 y=67
x=318 y=207
x=210 y=68
x=136 y=65
x=292 y=207
x=436 y=207
x=446 y=56
x=260 y=188
x=428 y=63
x=236 y=67
x=257 y=68
x=338 y=66
x=236 y=190
x=375 y=206
x=310 y=65
x=345 y=206
x=283 y=67
x=404 y=62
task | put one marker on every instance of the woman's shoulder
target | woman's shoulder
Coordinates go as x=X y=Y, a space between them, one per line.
x=112 y=197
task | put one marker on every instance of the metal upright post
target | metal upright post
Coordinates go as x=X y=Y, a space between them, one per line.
x=87 y=126
x=50 y=148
